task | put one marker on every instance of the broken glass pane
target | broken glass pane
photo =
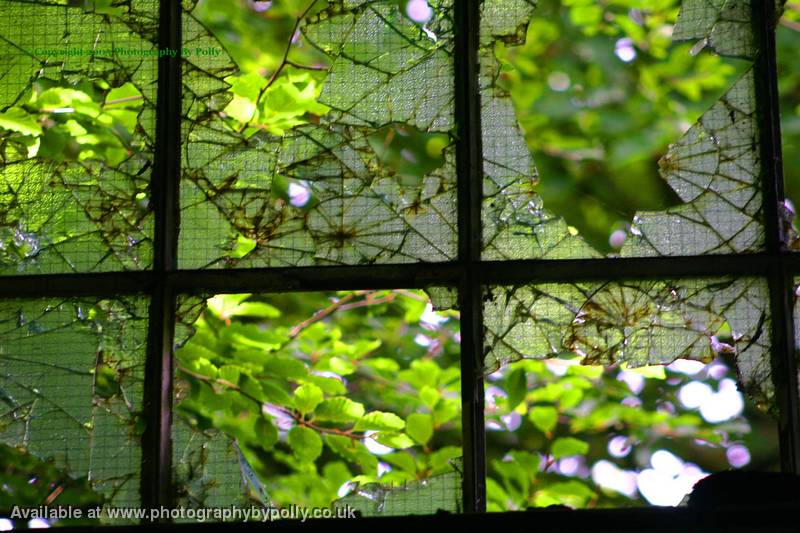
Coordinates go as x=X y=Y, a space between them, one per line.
x=605 y=98
x=317 y=133
x=77 y=117
x=428 y=496
x=306 y=398
x=71 y=389
x=561 y=433
x=638 y=323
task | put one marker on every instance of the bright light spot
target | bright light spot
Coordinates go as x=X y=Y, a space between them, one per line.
x=431 y=317
x=666 y=463
x=494 y=425
x=299 y=195
x=6 y=524
x=618 y=238
x=659 y=488
x=631 y=401
x=375 y=447
x=633 y=380
x=432 y=36
x=512 y=420
x=408 y=155
x=559 y=81
x=685 y=366
x=491 y=395
x=419 y=11
x=54 y=111
x=38 y=523
x=569 y=466
x=625 y=50
x=669 y=480
x=738 y=455
x=607 y=475
x=724 y=404
x=559 y=367
x=619 y=446
x=717 y=371
x=383 y=468
x=422 y=340
x=260 y=6
x=346 y=488
x=694 y=394
x=282 y=421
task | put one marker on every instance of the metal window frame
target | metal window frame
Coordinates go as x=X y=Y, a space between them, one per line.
x=468 y=273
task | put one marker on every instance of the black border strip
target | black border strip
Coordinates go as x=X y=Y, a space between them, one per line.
x=783 y=358
x=469 y=159
x=156 y=480
x=419 y=275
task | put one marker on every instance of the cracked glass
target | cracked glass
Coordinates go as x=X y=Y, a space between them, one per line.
x=70 y=396
x=77 y=117
x=329 y=143
x=619 y=130
x=624 y=394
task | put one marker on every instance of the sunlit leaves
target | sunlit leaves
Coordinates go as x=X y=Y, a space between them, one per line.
x=306 y=443
x=543 y=417
x=307 y=397
x=419 y=427
x=249 y=362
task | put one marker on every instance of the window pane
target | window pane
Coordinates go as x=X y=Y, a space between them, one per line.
x=76 y=135
x=640 y=119
x=625 y=394
x=317 y=133
x=310 y=399
x=71 y=386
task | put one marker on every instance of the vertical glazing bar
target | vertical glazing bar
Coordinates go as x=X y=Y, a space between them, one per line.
x=156 y=483
x=469 y=168
x=784 y=365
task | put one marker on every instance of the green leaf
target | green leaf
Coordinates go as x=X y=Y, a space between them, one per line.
x=307 y=397
x=419 y=427
x=567 y=446
x=380 y=421
x=544 y=418
x=16 y=119
x=403 y=460
x=339 y=409
x=398 y=441
x=353 y=451
x=305 y=442
x=516 y=387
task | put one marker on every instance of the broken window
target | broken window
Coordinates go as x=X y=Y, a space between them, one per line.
x=71 y=395
x=329 y=151
x=77 y=120
x=332 y=145
x=641 y=123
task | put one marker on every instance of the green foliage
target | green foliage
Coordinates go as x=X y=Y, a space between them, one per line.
x=307 y=386
x=61 y=121
x=28 y=482
x=571 y=413
x=597 y=124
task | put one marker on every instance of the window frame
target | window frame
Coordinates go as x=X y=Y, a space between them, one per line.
x=165 y=282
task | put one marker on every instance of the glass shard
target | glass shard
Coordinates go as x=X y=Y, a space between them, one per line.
x=637 y=323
